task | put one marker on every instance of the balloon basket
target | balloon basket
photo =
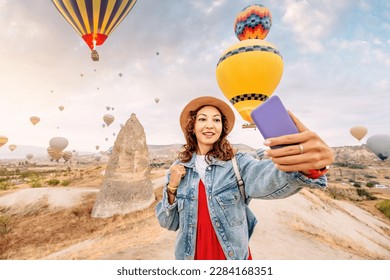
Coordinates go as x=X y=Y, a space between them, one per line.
x=95 y=55
x=248 y=125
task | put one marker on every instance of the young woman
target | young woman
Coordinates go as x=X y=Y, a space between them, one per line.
x=201 y=198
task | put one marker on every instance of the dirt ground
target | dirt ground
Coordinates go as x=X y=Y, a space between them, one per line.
x=309 y=225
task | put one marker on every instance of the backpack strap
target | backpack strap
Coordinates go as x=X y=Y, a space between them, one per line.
x=239 y=179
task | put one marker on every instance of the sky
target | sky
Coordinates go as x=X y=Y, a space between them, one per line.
x=336 y=57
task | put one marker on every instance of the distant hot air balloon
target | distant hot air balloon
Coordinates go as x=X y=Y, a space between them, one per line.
x=103 y=125
x=12 y=147
x=108 y=119
x=120 y=74
x=34 y=120
x=157 y=53
x=380 y=145
x=29 y=156
x=58 y=143
x=81 y=75
x=157 y=100
x=108 y=108
x=358 y=132
x=3 y=140
x=61 y=107
x=67 y=155
x=94 y=20
x=249 y=71
x=97 y=147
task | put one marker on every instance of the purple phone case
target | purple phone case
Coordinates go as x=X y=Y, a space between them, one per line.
x=272 y=119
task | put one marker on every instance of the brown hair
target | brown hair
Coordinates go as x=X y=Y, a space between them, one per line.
x=222 y=149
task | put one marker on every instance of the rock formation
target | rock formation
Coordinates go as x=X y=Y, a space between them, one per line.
x=126 y=184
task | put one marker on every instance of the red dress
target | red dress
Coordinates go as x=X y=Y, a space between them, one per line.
x=207 y=243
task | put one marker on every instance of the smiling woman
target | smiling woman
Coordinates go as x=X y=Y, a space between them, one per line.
x=201 y=198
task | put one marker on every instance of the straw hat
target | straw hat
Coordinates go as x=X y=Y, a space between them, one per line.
x=204 y=101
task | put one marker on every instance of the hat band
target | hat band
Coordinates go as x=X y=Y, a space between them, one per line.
x=248 y=96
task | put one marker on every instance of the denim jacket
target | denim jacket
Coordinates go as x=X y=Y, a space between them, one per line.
x=230 y=216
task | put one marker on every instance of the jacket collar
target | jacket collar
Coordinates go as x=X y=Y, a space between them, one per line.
x=214 y=161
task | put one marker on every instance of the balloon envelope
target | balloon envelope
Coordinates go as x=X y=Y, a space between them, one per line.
x=29 y=156
x=253 y=22
x=61 y=108
x=358 y=132
x=248 y=73
x=12 y=147
x=380 y=145
x=34 y=120
x=58 y=143
x=94 y=20
x=3 y=140
x=67 y=155
x=108 y=119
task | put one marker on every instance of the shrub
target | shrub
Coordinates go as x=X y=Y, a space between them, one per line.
x=371 y=184
x=384 y=207
x=4 y=221
x=53 y=182
x=357 y=185
x=365 y=194
x=4 y=185
x=66 y=182
x=387 y=177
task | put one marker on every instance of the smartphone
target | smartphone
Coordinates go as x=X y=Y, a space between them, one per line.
x=272 y=119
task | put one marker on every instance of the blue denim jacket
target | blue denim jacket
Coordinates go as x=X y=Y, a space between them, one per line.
x=232 y=220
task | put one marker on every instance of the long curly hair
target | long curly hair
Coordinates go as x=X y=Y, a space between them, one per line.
x=222 y=149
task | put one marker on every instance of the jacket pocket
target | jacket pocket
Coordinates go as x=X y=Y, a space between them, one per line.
x=231 y=205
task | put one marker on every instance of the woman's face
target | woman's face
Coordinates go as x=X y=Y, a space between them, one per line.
x=208 y=128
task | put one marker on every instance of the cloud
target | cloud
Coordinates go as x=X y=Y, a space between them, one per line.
x=311 y=22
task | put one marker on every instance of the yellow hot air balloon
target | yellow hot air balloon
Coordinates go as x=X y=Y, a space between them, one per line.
x=61 y=107
x=34 y=120
x=94 y=20
x=248 y=73
x=12 y=147
x=108 y=119
x=3 y=140
x=358 y=132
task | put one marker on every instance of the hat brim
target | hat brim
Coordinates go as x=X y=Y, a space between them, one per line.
x=204 y=101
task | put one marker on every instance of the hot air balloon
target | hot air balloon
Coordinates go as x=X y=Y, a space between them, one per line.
x=253 y=22
x=29 y=156
x=61 y=108
x=94 y=20
x=34 y=120
x=12 y=147
x=120 y=75
x=3 y=140
x=108 y=119
x=358 y=132
x=157 y=100
x=58 y=143
x=380 y=145
x=249 y=71
x=108 y=108
x=67 y=155
x=97 y=147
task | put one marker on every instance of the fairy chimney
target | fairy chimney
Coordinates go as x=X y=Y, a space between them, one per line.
x=126 y=185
